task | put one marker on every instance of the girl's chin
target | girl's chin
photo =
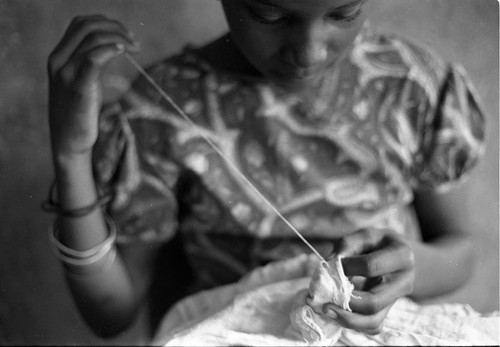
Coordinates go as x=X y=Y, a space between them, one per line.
x=297 y=84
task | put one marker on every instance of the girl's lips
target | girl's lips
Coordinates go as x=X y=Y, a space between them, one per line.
x=298 y=75
x=286 y=71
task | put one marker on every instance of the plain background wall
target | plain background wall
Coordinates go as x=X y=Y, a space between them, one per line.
x=35 y=307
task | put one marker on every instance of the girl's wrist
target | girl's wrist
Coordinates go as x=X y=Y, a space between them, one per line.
x=74 y=180
x=65 y=164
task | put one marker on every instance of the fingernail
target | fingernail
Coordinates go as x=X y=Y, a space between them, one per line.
x=330 y=312
x=135 y=45
x=308 y=300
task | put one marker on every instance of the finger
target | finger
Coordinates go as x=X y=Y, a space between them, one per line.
x=358 y=242
x=88 y=69
x=82 y=18
x=359 y=282
x=82 y=25
x=382 y=295
x=351 y=320
x=97 y=39
x=376 y=331
x=71 y=28
x=55 y=56
x=392 y=257
x=78 y=30
x=371 y=282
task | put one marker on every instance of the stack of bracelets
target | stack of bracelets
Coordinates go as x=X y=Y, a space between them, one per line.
x=79 y=262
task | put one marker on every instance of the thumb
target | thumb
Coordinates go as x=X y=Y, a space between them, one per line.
x=92 y=63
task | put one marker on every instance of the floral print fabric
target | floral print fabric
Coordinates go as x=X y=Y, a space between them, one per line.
x=391 y=120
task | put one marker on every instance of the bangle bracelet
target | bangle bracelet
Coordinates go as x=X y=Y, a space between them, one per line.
x=77 y=258
x=52 y=206
x=83 y=272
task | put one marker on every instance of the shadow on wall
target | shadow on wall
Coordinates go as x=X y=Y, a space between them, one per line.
x=35 y=307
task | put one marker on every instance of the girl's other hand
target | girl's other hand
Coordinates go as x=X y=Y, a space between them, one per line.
x=382 y=267
x=75 y=92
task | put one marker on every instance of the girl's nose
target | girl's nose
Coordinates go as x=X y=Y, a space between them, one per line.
x=307 y=48
x=310 y=55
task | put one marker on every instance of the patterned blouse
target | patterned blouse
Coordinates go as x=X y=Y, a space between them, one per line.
x=392 y=120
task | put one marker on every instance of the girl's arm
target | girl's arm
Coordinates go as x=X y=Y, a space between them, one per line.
x=445 y=260
x=107 y=297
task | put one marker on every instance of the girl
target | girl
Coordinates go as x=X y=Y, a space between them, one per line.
x=353 y=136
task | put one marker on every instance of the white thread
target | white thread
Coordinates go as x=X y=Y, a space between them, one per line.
x=214 y=146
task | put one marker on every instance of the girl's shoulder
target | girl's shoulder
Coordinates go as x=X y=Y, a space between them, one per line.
x=393 y=55
x=433 y=98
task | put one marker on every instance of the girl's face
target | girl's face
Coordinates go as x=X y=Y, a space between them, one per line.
x=292 y=42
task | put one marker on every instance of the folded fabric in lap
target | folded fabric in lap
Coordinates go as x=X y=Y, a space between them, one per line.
x=259 y=311
x=328 y=285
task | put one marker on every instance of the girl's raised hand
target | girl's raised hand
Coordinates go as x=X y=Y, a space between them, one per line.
x=384 y=265
x=75 y=92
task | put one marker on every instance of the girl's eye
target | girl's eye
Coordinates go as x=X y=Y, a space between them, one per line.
x=347 y=16
x=267 y=17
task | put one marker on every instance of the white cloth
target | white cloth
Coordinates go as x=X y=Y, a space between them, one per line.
x=256 y=311
x=328 y=285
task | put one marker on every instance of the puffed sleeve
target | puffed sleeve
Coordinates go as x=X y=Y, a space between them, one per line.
x=453 y=134
x=131 y=163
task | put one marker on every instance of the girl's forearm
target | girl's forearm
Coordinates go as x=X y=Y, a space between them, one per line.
x=76 y=189
x=104 y=295
x=442 y=265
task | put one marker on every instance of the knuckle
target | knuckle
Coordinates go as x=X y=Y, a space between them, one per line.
x=410 y=258
x=86 y=18
x=117 y=23
x=406 y=255
x=408 y=286
x=87 y=27
x=372 y=306
x=405 y=252
x=373 y=325
x=94 y=38
x=347 y=323
x=51 y=58
x=89 y=62
x=377 y=330
x=51 y=65
x=371 y=266
x=78 y=19
x=65 y=75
